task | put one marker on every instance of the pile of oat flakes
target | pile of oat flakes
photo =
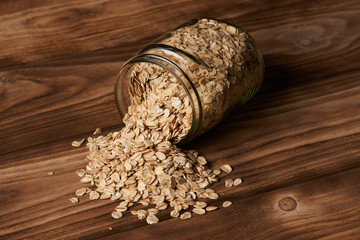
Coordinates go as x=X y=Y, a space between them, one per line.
x=141 y=163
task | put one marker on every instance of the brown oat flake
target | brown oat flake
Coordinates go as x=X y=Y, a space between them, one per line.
x=199 y=211
x=80 y=172
x=152 y=211
x=97 y=131
x=152 y=219
x=217 y=172
x=142 y=214
x=211 y=208
x=185 y=215
x=213 y=195
x=80 y=192
x=229 y=183
x=116 y=214
x=201 y=160
x=94 y=195
x=237 y=181
x=199 y=204
x=227 y=204
x=77 y=143
x=74 y=200
x=226 y=168
x=174 y=214
x=160 y=155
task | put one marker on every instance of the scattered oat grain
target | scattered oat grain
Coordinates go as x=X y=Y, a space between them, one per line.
x=217 y=172
x=116 y=214
x=77 y=143
x=174 y=214
x=226 y=168
x=185 y=215
x=213 y=195
x=152 y=219
x=229 y=183
x=152 y=211
x=199 y=204
x=227 y=204
x=199 y=211
x=97 y=131
x=74 y=200
x=94 y=195
x=142 y=214
x=211 y=208
x=201 y=160
x=80 y=192
x=237 y=181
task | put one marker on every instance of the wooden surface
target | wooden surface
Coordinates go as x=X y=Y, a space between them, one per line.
x=296 y=144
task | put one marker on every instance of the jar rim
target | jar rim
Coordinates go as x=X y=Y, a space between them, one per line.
x=162 y=46
x=156 y=59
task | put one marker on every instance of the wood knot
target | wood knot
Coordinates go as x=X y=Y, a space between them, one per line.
x=287 y=204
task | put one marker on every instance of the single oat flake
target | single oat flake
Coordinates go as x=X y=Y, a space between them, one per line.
x=211 y=208
x=116 y=214
x=200 y=204
x=229 y=183
x=94 y=195
x=185 y=215
x=152 y=219
x=237 y=181
x=227 y=204
x=80 y=192
x=199 y=211
x=226 y=168
x=77 y=143
x=97 y=131
x=213 y=195
x=174 y=214
x=74 y=200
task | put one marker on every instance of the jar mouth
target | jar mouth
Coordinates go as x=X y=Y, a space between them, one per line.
x=179 y=74
x=161 y=46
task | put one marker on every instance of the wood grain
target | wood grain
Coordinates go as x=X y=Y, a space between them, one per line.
x=298 y=139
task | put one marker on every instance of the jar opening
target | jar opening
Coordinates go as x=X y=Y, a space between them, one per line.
x=123 y=98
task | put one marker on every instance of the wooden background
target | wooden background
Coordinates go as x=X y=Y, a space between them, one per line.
x=296 y=144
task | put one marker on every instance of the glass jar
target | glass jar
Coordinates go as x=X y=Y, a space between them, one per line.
x=218 y=65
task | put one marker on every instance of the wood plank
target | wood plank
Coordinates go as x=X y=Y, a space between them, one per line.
x=66 y=29
x=277 y=160
x=299 y=137
x=59 y=102
x=326 y=204
x=324 y=209
x=89 y=86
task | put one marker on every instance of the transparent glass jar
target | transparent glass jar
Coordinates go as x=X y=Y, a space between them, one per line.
x=218 y=65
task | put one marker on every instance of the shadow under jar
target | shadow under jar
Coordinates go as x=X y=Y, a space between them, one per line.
x=216 y=65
